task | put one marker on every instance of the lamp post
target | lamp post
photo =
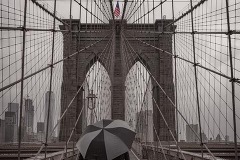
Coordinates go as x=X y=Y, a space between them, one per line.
x=91 y=98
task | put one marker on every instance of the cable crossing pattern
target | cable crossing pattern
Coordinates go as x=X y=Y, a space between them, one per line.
x=169 y=68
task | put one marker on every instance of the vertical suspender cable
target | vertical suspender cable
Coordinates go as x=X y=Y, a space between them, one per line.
x=232 y=80
x=111 y=7
x=51 y=75
x=69 y=52
x=22 y=74
x=175 y=72
x=196 y=80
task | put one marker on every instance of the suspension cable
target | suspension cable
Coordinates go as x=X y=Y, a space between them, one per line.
x=172 y=104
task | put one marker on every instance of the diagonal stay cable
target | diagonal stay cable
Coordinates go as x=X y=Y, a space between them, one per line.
x=51 y=76
x=107 y=17
x=49 y=66
x=161 y=3
x=188 y=32
x=136 y=10
x=22 y=79
x=145 y=93
x=78 y=90
x=106 y=10
x=75 y=125
x=197 y=64
x=49 y=12
x=89 y=11
x=169 y=129
x=130 y=13
x=124 y=9
x=111 y=7
x=160 y=142
x=186 y=13
x=43 y=29
x=146 y=90
x=129 y=8
x=70 y=103
x=173 y=104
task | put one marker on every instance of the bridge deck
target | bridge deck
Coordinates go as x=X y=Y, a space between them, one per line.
x=9 y=151
x=133 y=156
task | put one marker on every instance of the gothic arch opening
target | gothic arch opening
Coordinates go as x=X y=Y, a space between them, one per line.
x=96 y=95
x=138 y=101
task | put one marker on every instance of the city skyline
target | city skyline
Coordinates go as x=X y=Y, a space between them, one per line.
x=170 y=69
x=9 y=125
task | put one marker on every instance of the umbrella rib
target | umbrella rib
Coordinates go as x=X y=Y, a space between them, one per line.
x=120 y=140
x=85 y=142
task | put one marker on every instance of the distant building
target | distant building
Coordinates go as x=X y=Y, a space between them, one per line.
x=144 y=126
x=190 y=135
x=14 y=107
x=227 y=138
x=31 y=137
x=10 y=122
x=218 y=138
x=2 y=130
x=29 y=116
x=51 y=114
x=40 y=126
x=40 y=137
x=204 y=137
x=40 y=131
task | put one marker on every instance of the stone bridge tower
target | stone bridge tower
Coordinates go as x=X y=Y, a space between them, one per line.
x=158 y=63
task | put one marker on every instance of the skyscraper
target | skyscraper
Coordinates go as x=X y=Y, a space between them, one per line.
x=40 y=131
x=14 y=107
x=2 y=130
x=144 y=125
x=204 y=137
x=10 y=122
x=190 y=135
x=51 y=111
x=40 y=126
x=29 y=116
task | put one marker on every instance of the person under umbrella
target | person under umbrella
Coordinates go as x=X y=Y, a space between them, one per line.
x=124 y=156
x=106 y=140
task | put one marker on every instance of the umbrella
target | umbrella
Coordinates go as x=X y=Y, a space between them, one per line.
x=106 y=139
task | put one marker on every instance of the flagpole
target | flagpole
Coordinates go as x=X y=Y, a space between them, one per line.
x=121 y=12
x=117 y=11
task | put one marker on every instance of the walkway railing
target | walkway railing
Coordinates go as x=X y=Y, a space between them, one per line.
x=151 y=151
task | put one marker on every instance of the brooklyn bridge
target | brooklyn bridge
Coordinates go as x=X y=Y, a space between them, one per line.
x=169 y=68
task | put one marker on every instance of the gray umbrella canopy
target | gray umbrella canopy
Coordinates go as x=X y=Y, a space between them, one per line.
x=106 y=139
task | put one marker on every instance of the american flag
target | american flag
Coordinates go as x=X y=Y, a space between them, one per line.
x=117 y=10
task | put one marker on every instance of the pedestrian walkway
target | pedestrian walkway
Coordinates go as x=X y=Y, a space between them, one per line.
x=133 y=156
